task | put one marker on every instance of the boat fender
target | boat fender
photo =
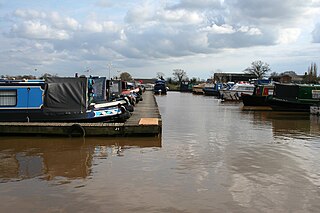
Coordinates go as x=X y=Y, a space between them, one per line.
x=76 y=130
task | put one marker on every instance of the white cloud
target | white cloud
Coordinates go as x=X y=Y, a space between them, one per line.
x=215 y=29
x=182 y=16
x=141 y=13
x=250 y=30
x=92 y=26
x=123 y=36
x=289 y=35
x=33 y=24
x=37 y=30
x=138 y=32
x=265 y=12
x=61 y=22
x=29 y=14
x=199 y=4
x=316 y=34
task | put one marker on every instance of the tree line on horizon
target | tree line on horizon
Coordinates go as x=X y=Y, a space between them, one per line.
x=257 y=68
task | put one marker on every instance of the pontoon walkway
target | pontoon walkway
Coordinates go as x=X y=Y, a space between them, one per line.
x=145 y=121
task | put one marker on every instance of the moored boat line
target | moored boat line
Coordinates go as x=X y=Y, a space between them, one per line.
x=40 y=116
x=264 y=95
x=137 y=125
x=49 y=106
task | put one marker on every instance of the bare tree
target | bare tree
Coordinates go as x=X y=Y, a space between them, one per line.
x=194 y=80
x=46 y=75
x=312 y=75
x=274 y=74
x=125 y=76
x=258 y=68
x=179 y=75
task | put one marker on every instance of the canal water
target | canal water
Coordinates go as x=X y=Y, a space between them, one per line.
x=212 y=157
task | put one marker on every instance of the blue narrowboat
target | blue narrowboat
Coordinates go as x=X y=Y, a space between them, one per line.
x=53 y=100
x=160 y=87
x=212 y=89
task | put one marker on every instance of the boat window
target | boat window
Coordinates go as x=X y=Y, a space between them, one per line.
x=8 y=98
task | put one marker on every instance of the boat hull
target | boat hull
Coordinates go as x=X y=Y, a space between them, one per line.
x=254 y=100
x=211 y=92
x=160 y=92
x=229 y=95
x=40 y=116
x=197 y=91
x=212 y=89
x=291 y=105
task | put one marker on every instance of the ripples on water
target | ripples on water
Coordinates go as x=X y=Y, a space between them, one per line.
x=213 y=157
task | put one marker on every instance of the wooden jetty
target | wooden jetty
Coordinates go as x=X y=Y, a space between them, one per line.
x=145 y=121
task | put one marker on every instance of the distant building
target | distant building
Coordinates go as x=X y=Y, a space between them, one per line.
x=287 y=77
x=235 y=77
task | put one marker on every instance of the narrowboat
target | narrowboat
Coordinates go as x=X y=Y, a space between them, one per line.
x=186 y=86
x=212 y=89
x=294 y=97
x=53 y=100
x=160 y=87
x=259 y=96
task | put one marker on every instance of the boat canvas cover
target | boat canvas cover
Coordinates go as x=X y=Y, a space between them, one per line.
x=65 y=95
x=286 y=91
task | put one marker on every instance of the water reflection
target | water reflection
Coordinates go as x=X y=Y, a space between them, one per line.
x=71 y=158
x=289 y=125
x=214 y=158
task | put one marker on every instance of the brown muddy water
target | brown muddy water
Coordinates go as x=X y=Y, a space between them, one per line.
x=212 y=157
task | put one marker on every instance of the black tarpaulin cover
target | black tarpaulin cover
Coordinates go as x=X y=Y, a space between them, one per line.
x=65 y=95
x=286 y=91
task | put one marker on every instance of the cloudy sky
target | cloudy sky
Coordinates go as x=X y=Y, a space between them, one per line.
x=145 y=37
